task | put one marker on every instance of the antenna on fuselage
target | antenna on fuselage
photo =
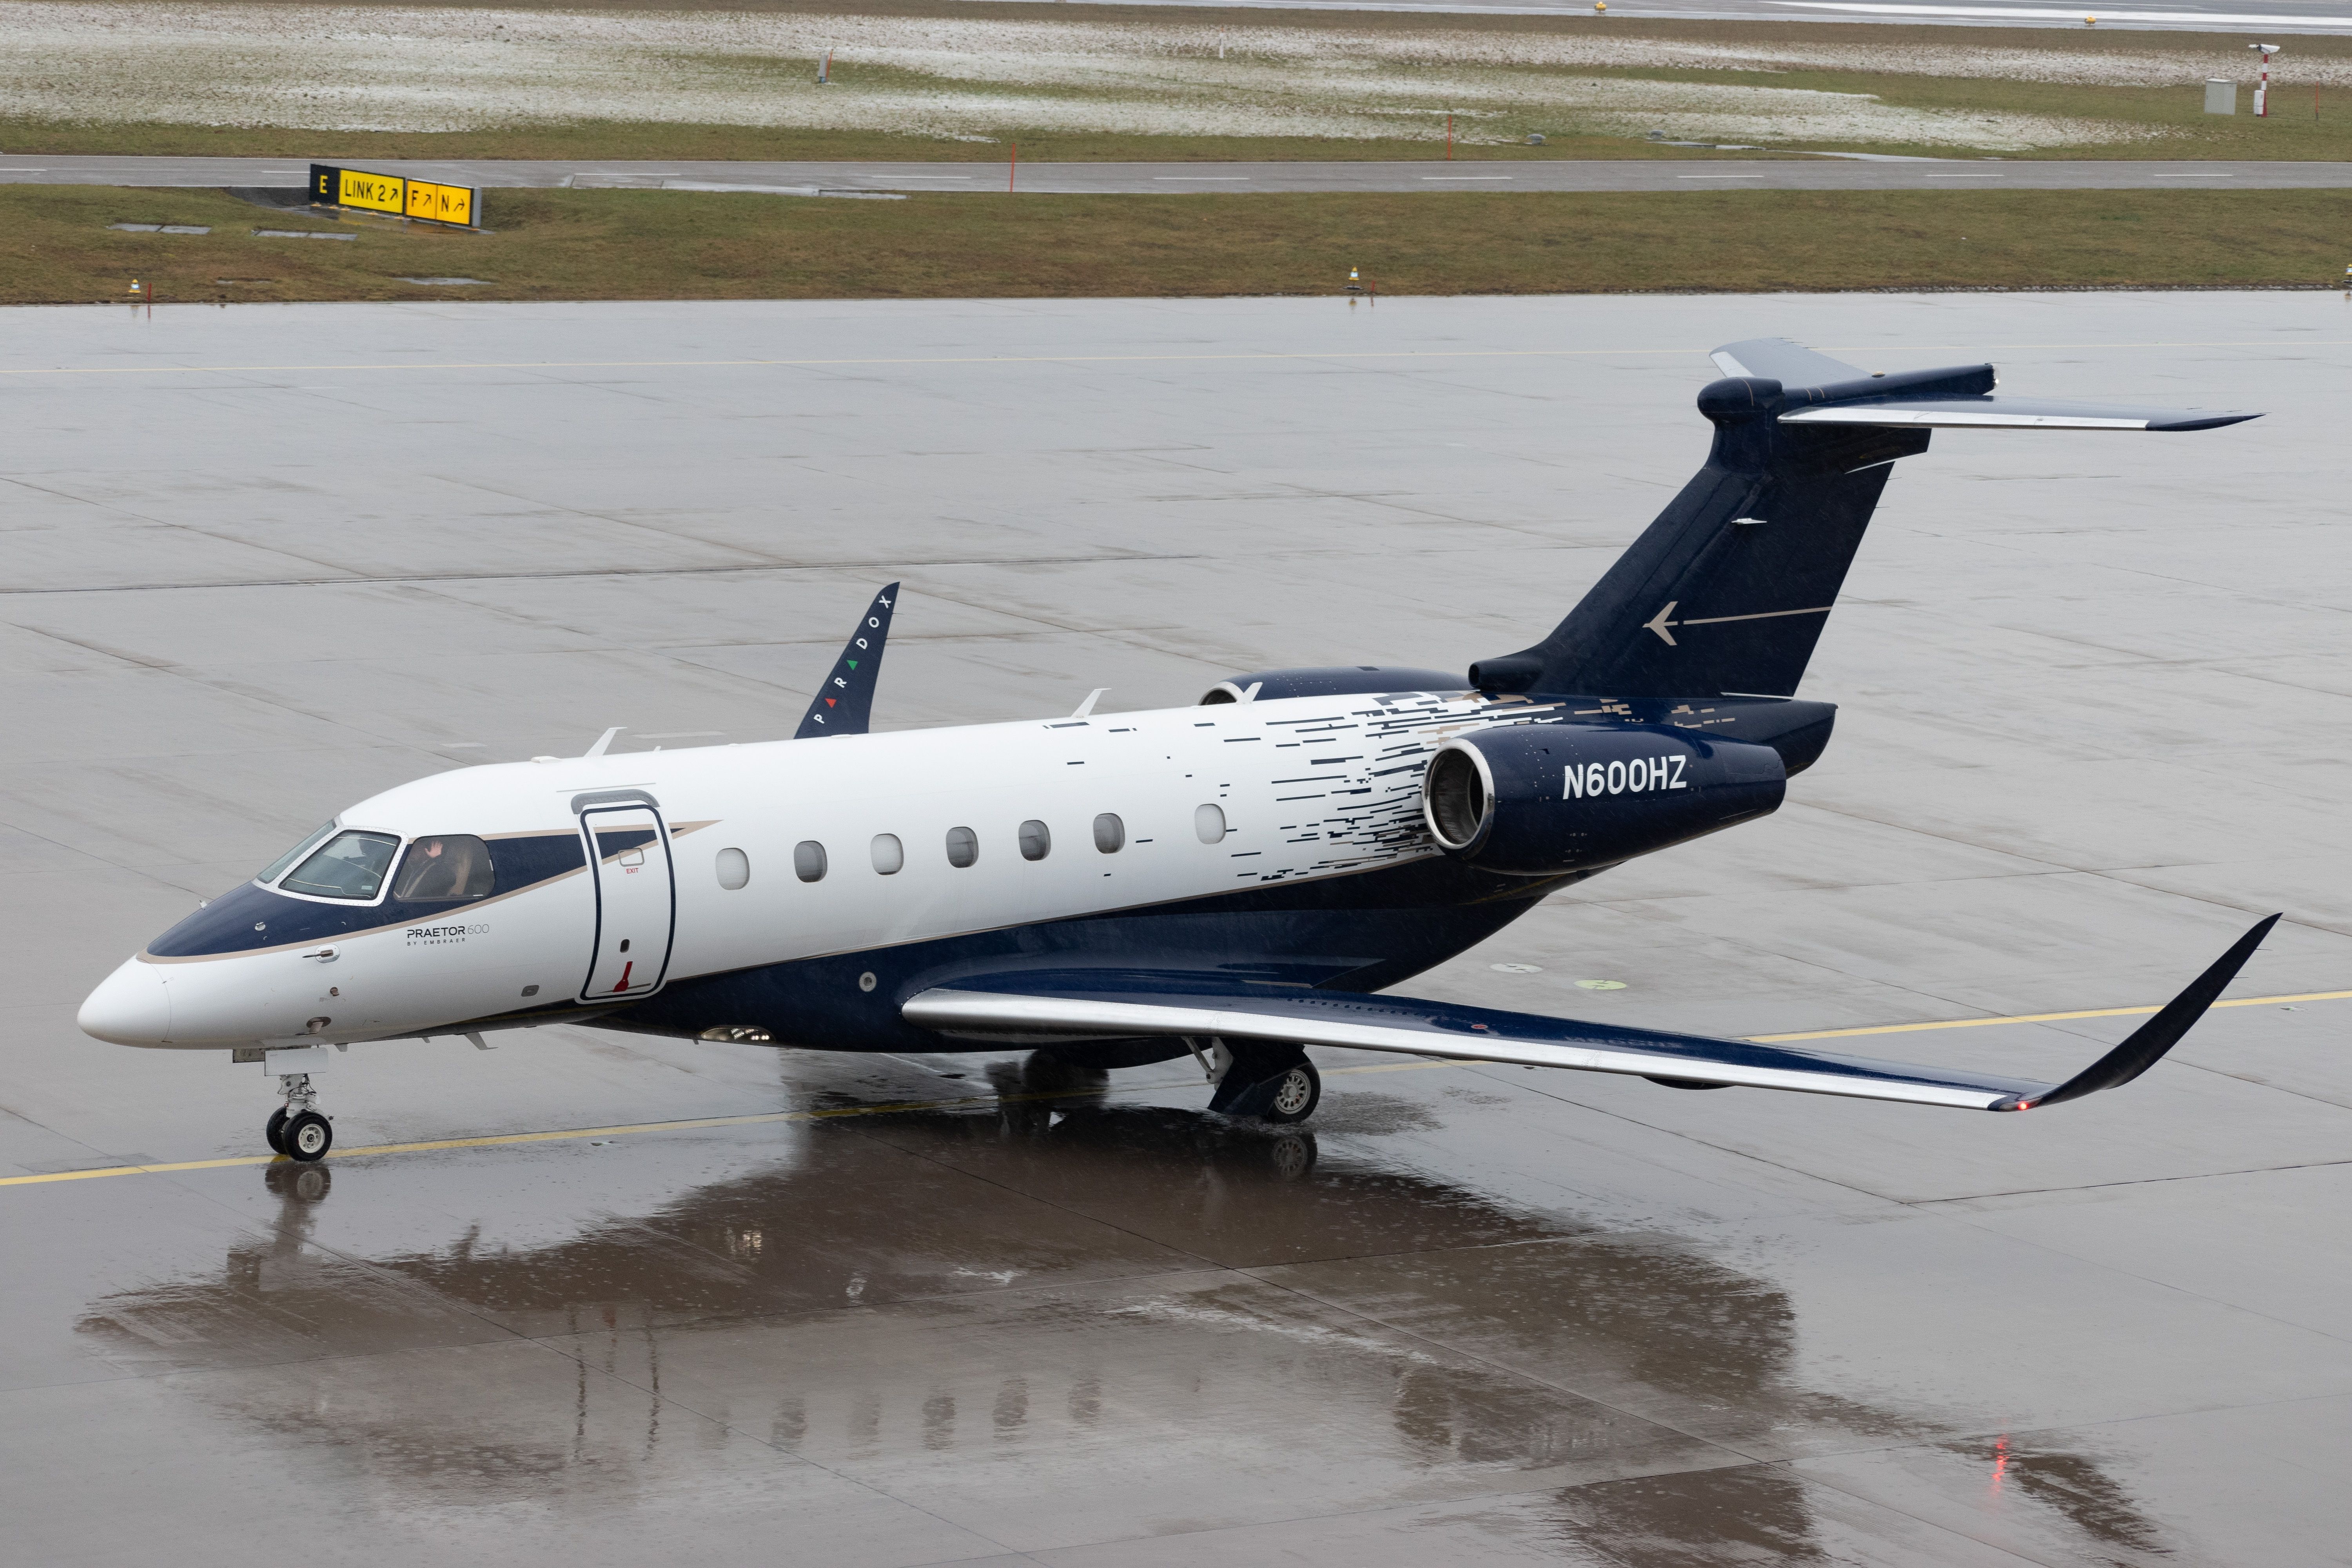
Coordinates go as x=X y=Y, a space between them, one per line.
x=844 y=703
x=603 y=742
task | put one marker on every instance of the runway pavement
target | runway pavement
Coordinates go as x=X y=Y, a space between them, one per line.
x=1811 y=173
x=2274 y=17
x=595 y=1298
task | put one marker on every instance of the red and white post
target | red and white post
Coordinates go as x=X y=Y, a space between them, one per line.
x=2262 y=88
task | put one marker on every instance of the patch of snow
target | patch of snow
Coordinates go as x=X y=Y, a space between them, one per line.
x=973 y=80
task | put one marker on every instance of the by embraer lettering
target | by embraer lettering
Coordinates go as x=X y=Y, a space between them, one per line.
x=1623 y=778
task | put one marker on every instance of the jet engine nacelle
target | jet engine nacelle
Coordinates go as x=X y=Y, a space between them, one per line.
x=1536 y=800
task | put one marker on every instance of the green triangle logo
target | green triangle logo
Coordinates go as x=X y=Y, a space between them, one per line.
x=851 y=662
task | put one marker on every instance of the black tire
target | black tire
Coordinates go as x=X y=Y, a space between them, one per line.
x=1293 y=1155
x=307 y=1137
x=276 y=1131
x=305 y=1183
x=1296 y=1093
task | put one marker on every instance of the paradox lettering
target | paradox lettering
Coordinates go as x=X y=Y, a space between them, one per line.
x=1623 y=778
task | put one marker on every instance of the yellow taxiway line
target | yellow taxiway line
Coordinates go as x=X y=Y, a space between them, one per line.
x=2039 y=1019
x=570 y=1134
x=558 y=1136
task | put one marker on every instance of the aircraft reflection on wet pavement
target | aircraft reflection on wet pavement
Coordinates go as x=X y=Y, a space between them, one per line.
x=1232 y=882
x=1623 y=1389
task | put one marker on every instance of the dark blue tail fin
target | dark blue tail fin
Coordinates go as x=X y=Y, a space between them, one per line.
x=1729 y=590
x=844 y=703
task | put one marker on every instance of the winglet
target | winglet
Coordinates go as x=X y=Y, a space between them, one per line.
x=844 y=703
x=2159 y=1034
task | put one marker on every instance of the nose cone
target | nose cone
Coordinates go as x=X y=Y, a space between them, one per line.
x=131 y=1008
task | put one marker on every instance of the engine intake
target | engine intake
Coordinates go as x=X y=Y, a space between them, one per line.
x=1536 y=800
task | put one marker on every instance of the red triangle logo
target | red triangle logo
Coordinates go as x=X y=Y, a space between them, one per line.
x=828 y=701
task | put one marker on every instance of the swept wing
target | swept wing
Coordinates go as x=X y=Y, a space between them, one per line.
x=1042 y=1005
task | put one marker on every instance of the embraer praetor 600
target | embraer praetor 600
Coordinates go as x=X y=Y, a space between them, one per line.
x=1237 y=879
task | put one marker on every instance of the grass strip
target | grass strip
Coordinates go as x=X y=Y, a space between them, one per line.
x=650 y=140
x=2154 y=122
x=56 y=245
x=2162 y=123
x=2165 y=123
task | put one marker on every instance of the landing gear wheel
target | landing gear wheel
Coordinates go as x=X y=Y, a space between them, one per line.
x=1297 y=1095
x=1293 y=1155
x=307 y=1137
x=276 y=1131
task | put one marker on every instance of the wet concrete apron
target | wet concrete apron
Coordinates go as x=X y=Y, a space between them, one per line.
x=975 y=1308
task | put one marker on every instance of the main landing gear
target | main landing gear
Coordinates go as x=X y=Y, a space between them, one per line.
x=1296 y=1095
x=296 y=1128
x=1273 y=1083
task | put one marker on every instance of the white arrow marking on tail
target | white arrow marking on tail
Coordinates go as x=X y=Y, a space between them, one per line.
x=1760 y=616
x=1658 y=623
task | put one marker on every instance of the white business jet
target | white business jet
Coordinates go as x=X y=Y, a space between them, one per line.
x=1234 y=880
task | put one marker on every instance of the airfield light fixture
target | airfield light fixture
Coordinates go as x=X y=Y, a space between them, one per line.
x=2262 y=88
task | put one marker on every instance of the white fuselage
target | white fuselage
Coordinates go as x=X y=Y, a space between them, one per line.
x=1203 y=800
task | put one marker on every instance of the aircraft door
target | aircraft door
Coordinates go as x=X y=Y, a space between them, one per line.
x=628 y=851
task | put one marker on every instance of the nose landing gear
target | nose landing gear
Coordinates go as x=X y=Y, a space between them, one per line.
x=296 y=1128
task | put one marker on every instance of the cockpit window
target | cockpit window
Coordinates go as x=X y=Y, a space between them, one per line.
x=445 y=865
x=351 y=865
x=310 y=841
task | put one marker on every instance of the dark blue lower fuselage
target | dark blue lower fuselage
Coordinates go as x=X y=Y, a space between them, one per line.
x=1360 y=932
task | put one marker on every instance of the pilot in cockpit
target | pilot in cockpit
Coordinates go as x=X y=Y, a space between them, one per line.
x=451 y=866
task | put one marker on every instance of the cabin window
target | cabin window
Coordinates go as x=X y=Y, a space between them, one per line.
x=808 y=860
x=1036 y=841
x=311 y=841
x=734 y=869
x=963 y=846
x=446 y=866
x=890 y=855
x=351 y=865
x=1110 y=833
x=1209 y=822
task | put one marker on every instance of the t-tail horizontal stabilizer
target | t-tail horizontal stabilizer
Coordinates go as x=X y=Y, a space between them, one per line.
x=1730 y=589
x=1819 y=390
x=1035 y=1006
x=844 y=703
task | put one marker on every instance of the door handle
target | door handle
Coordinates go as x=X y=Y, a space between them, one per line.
x=324 y=955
